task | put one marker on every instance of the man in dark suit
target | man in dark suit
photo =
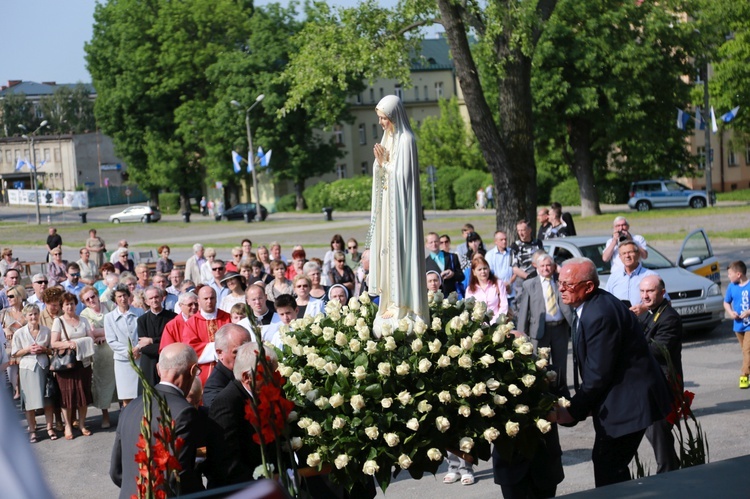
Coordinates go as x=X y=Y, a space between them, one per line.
x=621 y=385
x=150 y=328
x=662 y=326
x=228 y=339
x=231 y=454
x=177 y=369
x=544 y=318
x=445 y=264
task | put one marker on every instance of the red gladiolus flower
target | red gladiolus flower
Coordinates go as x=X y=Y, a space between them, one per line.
x=681 y=407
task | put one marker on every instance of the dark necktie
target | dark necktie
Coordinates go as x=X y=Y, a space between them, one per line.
x=574 y=335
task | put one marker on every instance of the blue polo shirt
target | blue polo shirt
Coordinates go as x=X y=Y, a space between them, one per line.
x=627 y=286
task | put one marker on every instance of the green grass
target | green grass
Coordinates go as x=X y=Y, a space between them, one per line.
x=738 y=195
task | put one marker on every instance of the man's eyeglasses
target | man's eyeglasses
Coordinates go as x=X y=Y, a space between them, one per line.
x=352 y=247
x=564 y=286
x=216 y=269
x=40 y=282
x=444 y=241
x=196 y=369
x=76 y=274
x=90 y=298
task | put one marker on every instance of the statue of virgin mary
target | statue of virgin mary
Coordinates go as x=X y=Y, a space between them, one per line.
x=397 y=257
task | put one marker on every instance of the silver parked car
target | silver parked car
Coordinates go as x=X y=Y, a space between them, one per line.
x=693 y=285
x=143 y=214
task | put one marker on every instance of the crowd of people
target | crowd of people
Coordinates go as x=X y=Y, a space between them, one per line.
x=187 y=324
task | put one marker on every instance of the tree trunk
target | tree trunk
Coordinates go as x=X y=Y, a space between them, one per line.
x=515 y=182
x=184 y=200
x=579 y=132
x=299 y=187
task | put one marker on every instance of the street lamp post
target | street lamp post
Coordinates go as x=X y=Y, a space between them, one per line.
x=30 y=138
x=250 y=155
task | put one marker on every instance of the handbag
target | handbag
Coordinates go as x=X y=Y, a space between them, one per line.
x=63 y=360
x=51 y=389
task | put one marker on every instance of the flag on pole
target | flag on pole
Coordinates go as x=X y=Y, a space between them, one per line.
x=726 y=118
x=682 y=119
x=714 y=127
x=236 y=161
x=264 y=158
x=42 y=163
x=19 y=164
x=700 y=123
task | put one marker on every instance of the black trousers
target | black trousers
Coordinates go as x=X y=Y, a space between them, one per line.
x=611 y=457
x=661 y=438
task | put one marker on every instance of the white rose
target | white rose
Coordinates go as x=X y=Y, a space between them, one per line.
x=543 y=352
x=466 y=444
x=522 y=409
x=344 y=371
x=364 y=333
x=341 y=339
x=372 y=432
x=292 y=417
x=416 y=345
x=434 y=454
x=404 y=324
x=371 y=347
x=563 y=402
x=390 y=344
x=424 y=406
x=354 y=303
x=486 y=411
x=437 y=324
x=454 y=324
x=514 y=390
x=465 y=361
x=386 y=402
x=313 y=460
x=453 y=298
x=528 y=380
x=334 y=314
x=296 y=443
x=541 y=364
x=341 y=461
x=314 y=429
x=336 y=400
x=304 y=387
x=350 y=320
x=424 y=365
x=404 y=461
x=419 y=327
x=285 y=371
x=384 y=369
x=499 y=399
x=357 y=402
x=454 y=351
x=312 y=395
x=404 y=397
x=354 y=345
x=386 y=330
x=391 y=439
x=370 y=467
x=307 y=349
x=508 y=355
x=493 y=384
x=295 y=378
x=413 y=424
x=477 y=337
x=543 y=425
x=464 y=410
x=512 y=428
x=463 y=391
x=321 y=402
x=469 y=302
x=487 y=359
x=552 y=376
x=446 y=305
x=444 y=361
x=402 y=369
x=491 y=434
x=467 y=343
x=311 y=358
x=328 y=333
x=464 y=317
x=304 y=423
x=526 y=349
x=316 y=330
x=519 y=341
x=444 y=396
x=330 y=368
x=442 y=424
x=338 y=423
x=364 y=298
x=359 y=373
x=434 y=346
x=479 y=389
x=498 y=336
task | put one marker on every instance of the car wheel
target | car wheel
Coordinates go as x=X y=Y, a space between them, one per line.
x=116 y=221
x=698 y=203
x=643 y=206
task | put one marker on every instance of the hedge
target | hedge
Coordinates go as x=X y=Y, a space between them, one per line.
x=169 y=202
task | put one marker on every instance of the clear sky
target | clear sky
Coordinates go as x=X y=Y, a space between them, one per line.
x=43 y=39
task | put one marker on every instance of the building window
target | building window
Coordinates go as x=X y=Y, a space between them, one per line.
x=1 y=158
x=426 y=95
x=47 y=156
x=438 y=89
x=9 y=156
x=372 y=94
x=747 y=154
x=58 y=155
x=416 y=92
x=364 y=167
x=359 y=98
x=732 y=158
x=341 y=171
x=701 y=157
x=382 y=94
x=18 y=153
x=375 y=132
x=338 y=135
x=362 y=134
x=398 y=91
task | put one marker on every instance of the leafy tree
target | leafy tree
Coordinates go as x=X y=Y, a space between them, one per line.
x=16 y=110
x=607 y=101
x=69 y=110
x=445 y=141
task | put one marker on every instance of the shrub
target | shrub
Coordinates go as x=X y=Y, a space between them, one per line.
x=445 y=196
x=467 y=185
x=169 y=202
x=566 y=193
x=287 y=203
x=613 y=189
x=346 y=194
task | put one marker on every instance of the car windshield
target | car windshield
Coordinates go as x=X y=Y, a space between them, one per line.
x=656 y=260
x=594 y=252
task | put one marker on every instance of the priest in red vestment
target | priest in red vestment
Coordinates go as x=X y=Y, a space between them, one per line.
x=200 y=329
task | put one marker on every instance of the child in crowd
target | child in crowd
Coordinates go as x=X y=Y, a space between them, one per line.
x=737 y=306
x=238 y=312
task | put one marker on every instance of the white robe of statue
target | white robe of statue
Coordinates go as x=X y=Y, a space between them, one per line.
x=397 y=265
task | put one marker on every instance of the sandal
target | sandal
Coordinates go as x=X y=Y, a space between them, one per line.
x=85 y=432
x=467 y=479
x=32 y=437
x=451 y=477
x=52 y=434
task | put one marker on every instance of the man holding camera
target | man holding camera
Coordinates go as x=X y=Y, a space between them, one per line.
x=621 y=234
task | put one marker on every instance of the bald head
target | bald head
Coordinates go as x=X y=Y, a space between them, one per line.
x=578 y=280
x=256 y=298
x=653 y=291
x=176 y=365
x=207 y=299
x=229 y=338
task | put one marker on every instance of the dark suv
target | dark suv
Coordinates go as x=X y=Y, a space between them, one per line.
x=648 y=194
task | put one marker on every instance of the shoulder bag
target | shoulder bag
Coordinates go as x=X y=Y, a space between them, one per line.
x=63 y=360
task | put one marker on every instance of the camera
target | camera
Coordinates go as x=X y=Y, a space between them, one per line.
x=623 y=236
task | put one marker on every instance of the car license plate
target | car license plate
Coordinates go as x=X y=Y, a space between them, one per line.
x=691 y=310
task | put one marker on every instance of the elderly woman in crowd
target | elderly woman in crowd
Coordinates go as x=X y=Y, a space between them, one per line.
x=124 y=263
x=206 y=273
x=31 y=349
x=121 y=332
x=96 y=247
x=103 y=385
x=52 y=299
x=57 y=268
x=280 y=284
x=306 y=305
x=339 y=293
x=341 y=272
x=89 y=270
x=234 y=264
x=317 y=290
x=299 y=258
x=72 y=331
x=164 y=265
x=236 y=286
x=13 y=319
x=7 y=261
x=105 y=270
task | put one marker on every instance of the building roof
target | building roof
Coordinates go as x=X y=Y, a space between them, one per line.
x=434 y=55
x=34 y=89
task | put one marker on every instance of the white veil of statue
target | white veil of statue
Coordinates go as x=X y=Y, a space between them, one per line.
x=397 y=257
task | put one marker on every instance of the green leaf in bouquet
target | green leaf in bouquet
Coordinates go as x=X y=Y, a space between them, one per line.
x=361 y=360
x=375 y=391
x=355 y=422
x=420 y=384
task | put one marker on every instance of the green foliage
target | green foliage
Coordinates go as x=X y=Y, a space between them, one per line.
x=467 y=185
x=566 y=193
x=445 y=195
x=15 y=110
x=613 y=189
x=69 y=110
x=169 y=202
x=287 y=203
x=352 y=194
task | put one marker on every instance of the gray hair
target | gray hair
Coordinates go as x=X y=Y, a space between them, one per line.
x=31 y=307
x=310 y=267
x=197 y=247
x=247 y=358
x=224 y=334
x=179 y=359
x=161 y=292
x=112 y=278
x=121 y=288
x=184 y=296
x=620 y=219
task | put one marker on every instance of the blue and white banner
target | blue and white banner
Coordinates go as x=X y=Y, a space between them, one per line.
x=236 y=162
x=727 y=117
